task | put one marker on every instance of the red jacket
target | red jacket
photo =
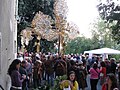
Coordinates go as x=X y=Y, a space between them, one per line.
x=103 y=70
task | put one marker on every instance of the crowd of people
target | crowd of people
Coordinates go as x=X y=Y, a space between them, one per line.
x=30 y=69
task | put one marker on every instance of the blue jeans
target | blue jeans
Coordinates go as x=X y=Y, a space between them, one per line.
x=50 y=79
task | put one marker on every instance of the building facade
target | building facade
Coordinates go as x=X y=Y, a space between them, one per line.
x=8 y=38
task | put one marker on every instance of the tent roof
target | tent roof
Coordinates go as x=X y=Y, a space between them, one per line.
x=103 y=51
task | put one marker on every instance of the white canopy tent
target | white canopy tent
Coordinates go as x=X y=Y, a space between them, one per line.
x=103 y=51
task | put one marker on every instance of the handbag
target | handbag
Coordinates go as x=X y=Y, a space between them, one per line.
x=101 y=74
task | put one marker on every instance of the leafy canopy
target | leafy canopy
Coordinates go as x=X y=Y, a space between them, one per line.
x=110 y=12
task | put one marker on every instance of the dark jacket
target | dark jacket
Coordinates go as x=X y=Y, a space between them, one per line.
x=16 y=79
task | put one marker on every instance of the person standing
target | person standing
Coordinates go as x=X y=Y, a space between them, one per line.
x=23 y=71
x=102 y=72
x=118 y=66
x=81 y=76
x=16 y=78
x=70 y=83
x=113 y=65
x=111 y=83
x=94 y=76
x=49 y=70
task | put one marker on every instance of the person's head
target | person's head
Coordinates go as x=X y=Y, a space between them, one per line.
x=111 y=79
x=71 y=76
x=95 y=66
x=102 y=64
x=72 y=62
x=24 y=63
x=112 y=60
x=15 y=65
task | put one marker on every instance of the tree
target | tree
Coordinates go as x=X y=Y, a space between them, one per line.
x=78 y=45
x=102 y=37
x=41 y=25
x=42 y=20
x=110 y=12
x=101 y=34
x=60 y=11
x=27 y=10
x=72 y=30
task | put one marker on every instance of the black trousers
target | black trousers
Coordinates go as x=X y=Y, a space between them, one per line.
x=93 y=83
x=119 y=77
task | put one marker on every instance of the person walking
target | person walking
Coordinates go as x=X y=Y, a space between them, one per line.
x=111 y=83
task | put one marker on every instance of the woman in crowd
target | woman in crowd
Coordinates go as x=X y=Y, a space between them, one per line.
x=16 y=78
x=94 y=76
x=71 y=83
x=111 y=83
x=102 y=72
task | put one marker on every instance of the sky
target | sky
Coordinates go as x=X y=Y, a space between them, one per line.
x=82 y=13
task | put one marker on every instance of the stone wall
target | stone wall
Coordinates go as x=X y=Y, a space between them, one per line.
x=8 y=30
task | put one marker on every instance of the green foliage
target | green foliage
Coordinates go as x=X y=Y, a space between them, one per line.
x=47 y=46
x=78 y=45
x=57 y=81
x=26 y=11
x=101 y=37
x=101 y=34
x=110 y=12
x=28 y=8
